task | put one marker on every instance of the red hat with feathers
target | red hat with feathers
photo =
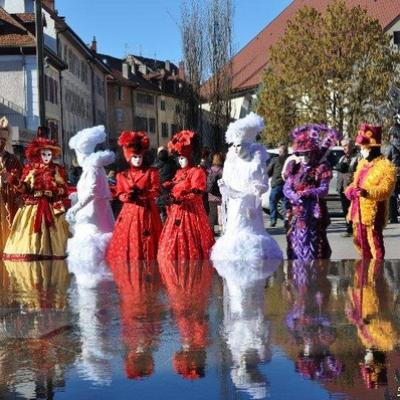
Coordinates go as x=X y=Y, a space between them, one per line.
x=182 y=143
x=139 y=365
x=369 y=135
x=34 y=148
x=189 y=364
x=133 y=143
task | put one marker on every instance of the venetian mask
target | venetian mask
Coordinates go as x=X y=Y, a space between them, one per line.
x=240 y=149
x=183 y=161
x=365 y=152
x=46 y=155
x=137 y=160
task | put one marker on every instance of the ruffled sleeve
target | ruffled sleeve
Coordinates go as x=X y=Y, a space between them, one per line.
x=383 y=181
x=195 y=185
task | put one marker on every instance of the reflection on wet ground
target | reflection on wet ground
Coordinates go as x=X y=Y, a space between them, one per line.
x=325 y=330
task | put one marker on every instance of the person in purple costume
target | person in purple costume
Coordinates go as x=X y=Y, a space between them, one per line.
x=306 y=186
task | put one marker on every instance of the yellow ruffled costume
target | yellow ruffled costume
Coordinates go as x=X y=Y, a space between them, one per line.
x=378 y=178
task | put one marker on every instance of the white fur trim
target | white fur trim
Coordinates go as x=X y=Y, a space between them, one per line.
x=86 y=140
x=244 y=130
x=99 y=159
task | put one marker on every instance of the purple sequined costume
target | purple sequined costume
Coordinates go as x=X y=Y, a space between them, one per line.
x=309 y=219
x=307 y=183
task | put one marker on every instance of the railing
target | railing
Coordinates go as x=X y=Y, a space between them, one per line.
x=12 y=106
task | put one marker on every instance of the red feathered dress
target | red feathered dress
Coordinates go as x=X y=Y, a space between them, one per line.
x=138 y=227
x=186 y=234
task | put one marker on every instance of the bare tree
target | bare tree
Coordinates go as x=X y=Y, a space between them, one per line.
x=219 y=55
x=193 y=48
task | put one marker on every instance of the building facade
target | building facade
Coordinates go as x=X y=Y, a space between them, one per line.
x=143 y=94
x=75 y=78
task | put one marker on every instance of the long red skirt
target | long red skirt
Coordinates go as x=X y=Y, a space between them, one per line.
x=136 y=234
x=186 y=234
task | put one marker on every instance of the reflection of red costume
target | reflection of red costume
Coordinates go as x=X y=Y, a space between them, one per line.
x=188 y=285
x=141 y=314
x=186 y=234
x=138 y=226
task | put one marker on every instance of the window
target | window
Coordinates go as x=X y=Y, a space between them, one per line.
x=119 y=115
x=164 y=129
x=177 y=108
x=143 y=98
x=140 y=124
x=119 y=93
x=174 y=129
x=51 y=89
x=99 y=86
x=152 y=125
x=162 y=105
x=84 y=71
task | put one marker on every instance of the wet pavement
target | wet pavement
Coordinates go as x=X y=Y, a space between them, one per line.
x=326 y=330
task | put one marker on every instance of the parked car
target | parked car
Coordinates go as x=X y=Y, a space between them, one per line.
x=333 y=199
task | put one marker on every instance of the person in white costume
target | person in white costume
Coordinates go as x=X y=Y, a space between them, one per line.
x=243 y=182
x=246 y=330
x=90 y=218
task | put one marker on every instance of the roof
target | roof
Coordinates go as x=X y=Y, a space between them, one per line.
x=148 y=82
x=154 y=64
x=13 y=33
x=249 y=63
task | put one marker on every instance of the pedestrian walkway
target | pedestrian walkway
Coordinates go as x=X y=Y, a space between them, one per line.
x=343 y=248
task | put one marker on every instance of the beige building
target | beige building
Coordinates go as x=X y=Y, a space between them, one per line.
x=143 y=94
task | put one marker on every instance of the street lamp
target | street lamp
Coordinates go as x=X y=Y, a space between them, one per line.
x=39 y=62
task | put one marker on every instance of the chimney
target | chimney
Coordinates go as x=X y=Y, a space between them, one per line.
x=126 y=70
x=181 y=71
x=49 y=3
x=167 y=65
x=93 y=45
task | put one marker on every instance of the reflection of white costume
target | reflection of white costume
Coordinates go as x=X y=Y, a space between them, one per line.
x=245 y=327
x=243 y=181
x=91 y=216
x=94 y=363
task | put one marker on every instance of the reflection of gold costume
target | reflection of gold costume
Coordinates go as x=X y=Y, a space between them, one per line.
x=374 y=330
x=37 y=285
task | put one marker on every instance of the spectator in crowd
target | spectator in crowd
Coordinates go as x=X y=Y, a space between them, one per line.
x=214 y=194
x=394 y=157
x=111 y=177
x=167 y=168
x=74 y=173
x=346 y=166
x=274 y=171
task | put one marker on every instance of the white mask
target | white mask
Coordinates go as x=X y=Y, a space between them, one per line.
x=183 y=161
x=365 y=152
x=240 y=149
x=46 y=155
x=137 y=160
x=304 y=159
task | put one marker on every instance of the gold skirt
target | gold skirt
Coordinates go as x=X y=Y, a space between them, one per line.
x=24 y=244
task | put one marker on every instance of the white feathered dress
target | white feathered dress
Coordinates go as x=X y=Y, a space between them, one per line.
x=93 y=221
x=245 y=238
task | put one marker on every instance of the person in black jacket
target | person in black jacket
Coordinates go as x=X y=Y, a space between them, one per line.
x=346 y=167
x=394 y=156
x=167 y=168
x=274 y=171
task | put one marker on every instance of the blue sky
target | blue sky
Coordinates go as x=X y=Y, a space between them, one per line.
x=150 y=27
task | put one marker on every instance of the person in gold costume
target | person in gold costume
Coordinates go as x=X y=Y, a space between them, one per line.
x=39 y=230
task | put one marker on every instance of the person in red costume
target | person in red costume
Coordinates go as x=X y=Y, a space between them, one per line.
x=142 y=313
x=186 y=234
x=188 y=284
x=138 y=227
x=39 y=230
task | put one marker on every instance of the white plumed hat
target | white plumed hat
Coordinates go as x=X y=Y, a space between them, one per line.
x=86 y=140
x=244 y=130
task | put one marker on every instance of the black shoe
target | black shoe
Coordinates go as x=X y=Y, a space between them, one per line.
x=272 y=224
x=394 y=221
